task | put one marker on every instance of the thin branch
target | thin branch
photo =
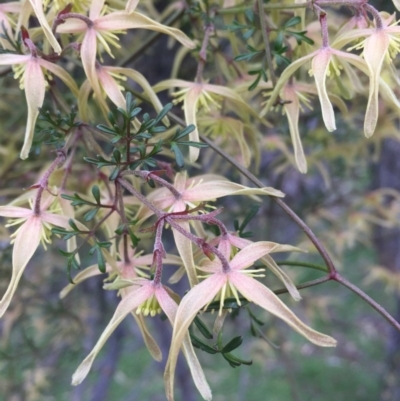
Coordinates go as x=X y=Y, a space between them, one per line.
x=305 y=285
x=368 y=300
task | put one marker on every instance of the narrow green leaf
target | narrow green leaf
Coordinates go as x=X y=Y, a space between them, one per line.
x=203 y=328
x=233 y=344
x=96 y=193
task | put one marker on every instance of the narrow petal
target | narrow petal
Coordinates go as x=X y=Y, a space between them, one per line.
x=95 y=9
x=266 y=299
x=148 y=339
x=90 y=271
x=34 y=91
x=88 y=55
x=37 y=6
x=191 y=303
x=62 y=74
x=217 y=189
x=127 y=305
x=190 y=111
x=72 y=25
x=14 y=211
x=286 y=74
x=131 y=5
x=397 y=4
x=185 y=249
x=292 y=111
x=195 y=369
x=271 y=264
x=10 y=59
x=169 y=306
x=248 y=255
x=134 y=20
x=142 y=81
x=111 y=88
x=319 y=67
x=26 y=243
x=375 y=49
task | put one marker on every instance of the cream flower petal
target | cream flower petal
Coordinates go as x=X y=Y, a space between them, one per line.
x=72 y=25
x=111 y=88
x=185 y=249
x=62 y=74
x=26 y=243
x=142 y=81
x=89 y=272
x=292 y=110
x=190 y=111
x=127 y=304
x=37 y=6
x=15 y=211
x=191 y=303
x=266 y=299
x=134 y=20
x=319 y=66
x=375 y=49
x=131 y=5
x=10 y=59
x=248 y=255
x=95 y=9
x=286 y=74
x=271 y=264
x=217 y=189
x=88 y=55
x=35 y=84
x=149 y=340
x=169 y=306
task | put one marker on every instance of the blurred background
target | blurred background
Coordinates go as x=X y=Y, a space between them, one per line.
x=349 y=198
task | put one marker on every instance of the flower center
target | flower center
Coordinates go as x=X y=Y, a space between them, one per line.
x=149 y=307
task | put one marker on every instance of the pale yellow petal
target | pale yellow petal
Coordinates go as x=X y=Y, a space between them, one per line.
x=319 y=66
x=37 y=6
x=25 y=245
x=375 y=49
x=191 y=303
x=127 y=305
x=266 y=299
x=35 y=84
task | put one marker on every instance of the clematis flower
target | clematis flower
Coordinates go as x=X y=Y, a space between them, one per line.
x=382 y=43
x=324 y=62
x=35 y=229
x=191 y=192
x=228 y=243
x=29 y=71
x=148 y=298
x=104 y=28
x=196 y=95
x=296 y=96
x=123 y=273
x=223 y=282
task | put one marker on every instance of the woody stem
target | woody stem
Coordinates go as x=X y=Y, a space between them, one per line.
x=44 y=181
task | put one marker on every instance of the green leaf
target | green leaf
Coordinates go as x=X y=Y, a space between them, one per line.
x=201 y=345
x=100 y=260
x=114 y=174
x=233 y=344
x=293 y=21
x=90 y=214
x=163 y=113
x=202 y=328
x=96 y=193
x=180 y=161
